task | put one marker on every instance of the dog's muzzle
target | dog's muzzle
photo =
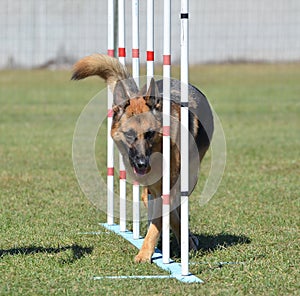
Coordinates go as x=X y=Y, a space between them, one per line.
x=140 y=164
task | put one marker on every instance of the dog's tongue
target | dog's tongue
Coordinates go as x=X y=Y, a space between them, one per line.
x=139 y=172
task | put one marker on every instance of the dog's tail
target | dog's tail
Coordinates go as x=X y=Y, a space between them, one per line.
x=108 y=68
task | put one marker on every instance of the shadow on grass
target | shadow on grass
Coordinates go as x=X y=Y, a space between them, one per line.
x=209 y=243
x=77 y=251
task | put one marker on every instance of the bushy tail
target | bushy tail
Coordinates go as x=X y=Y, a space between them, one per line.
x=108 y=68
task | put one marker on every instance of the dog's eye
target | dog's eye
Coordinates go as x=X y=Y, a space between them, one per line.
x=130 y=136
x=149 y=135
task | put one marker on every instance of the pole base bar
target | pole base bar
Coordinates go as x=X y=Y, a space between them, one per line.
x=173 y=268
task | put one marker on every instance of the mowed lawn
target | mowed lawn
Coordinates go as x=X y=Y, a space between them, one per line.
x=251 y=224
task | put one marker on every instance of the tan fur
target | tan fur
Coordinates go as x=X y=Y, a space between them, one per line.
x=150 y=242
x=108 y=68
x=144 y=196
x=136 y=106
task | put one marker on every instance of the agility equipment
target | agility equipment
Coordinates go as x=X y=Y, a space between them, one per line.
x=179 y=271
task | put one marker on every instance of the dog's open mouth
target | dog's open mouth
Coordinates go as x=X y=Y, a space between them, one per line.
x=140 y=171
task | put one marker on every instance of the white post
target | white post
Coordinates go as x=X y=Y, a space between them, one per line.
x=122 y=55
x=150 y=40
x=150 y=72
x=135 y=74
x=184 y=136
x=110 y=143
x=166 y=132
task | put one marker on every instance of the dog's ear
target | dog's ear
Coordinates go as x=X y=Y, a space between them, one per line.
x=152 y=97
x=121 y=99
x=121 y=94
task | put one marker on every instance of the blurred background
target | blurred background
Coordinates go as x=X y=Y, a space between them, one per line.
x=46 y=33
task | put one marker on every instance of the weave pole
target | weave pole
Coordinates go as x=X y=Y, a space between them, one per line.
x=122 y=172
x=179 y=271
x=150 y=72
x=110 y=143
x=135 y=74
x=166 y=133
x=184 y=136
x=150 y=40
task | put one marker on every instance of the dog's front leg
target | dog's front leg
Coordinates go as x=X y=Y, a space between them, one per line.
x=145 y=196
x=150 y=242
x=153 y=234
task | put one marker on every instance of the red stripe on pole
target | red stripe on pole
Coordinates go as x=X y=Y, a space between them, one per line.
x=122 y=175
x=150 y=55
x=167 y=59
x=111 y=52
x=166 y=131
x=166 y=199
x=135 y=53
x=110 y=171
x=110 y=113
x=122 y=52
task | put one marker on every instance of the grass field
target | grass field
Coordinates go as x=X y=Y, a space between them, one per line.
x=253 y=219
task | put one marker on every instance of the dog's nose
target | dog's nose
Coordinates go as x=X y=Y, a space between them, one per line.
x=141 y=162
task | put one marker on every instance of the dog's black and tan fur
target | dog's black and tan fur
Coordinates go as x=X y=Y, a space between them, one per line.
x=137 y=132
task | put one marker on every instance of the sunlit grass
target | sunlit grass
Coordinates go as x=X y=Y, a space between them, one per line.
x=252 y=221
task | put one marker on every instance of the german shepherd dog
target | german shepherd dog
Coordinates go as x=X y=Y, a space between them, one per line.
x=137 y=132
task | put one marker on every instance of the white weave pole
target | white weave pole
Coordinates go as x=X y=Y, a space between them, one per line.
x=110 y=143
x=166 y=132
x=150 y=40
x=184 y=136
x=135 y=74
x=135 y=42
x=122 y=172
x=150 y=72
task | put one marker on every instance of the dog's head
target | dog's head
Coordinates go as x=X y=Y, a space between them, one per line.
x=137 y=124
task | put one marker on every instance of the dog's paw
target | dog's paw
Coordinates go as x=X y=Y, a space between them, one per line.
x=193 y=243
x=143 y=257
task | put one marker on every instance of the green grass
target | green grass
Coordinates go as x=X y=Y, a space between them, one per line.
x=253 y=219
